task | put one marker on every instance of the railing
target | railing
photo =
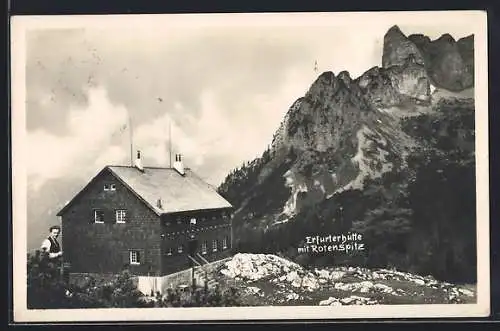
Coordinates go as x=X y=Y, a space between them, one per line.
x=202 y=258
x=194 y=260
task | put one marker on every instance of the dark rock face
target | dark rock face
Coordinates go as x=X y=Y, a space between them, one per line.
x=310 y=125
x=397 y=48
x=387 y=87
x=449 y=64
x=377 y=86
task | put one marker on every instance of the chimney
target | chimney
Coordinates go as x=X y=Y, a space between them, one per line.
x=159 y=204
x=178 y=166
x=138 y=162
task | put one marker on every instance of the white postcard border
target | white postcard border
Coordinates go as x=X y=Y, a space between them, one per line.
x=20 y=24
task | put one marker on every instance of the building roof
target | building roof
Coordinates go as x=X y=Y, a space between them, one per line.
x=177 y=192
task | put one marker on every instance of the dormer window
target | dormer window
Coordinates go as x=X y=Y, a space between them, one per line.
x=109 y=187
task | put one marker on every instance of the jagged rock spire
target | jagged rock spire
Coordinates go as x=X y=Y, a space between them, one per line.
x=397 y=48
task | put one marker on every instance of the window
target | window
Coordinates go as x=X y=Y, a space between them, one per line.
x=180 y=249
x=204 y=248
x=135 y=257
x=121 y=216
x=112 y=187
x=98 y=216
x=106 y=187
x=214 y=245
x=179 y=220
x=169 y=251
x=224 y=243
x=193 y=221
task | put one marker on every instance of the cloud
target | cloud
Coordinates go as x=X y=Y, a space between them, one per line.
x=90 y=137
x=223 y=90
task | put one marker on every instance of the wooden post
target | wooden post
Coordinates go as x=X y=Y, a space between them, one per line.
x=131 y=140
x=193 y=282
x=231 y=214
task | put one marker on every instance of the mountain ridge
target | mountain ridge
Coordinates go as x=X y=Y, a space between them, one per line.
x=348 y=137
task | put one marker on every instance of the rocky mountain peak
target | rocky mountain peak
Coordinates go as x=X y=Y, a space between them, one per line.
x=419 y=39
x=449 y=63
x=468 y=39
x=394 y=30
x=345 y=77
x=446 y=38
x=325 y=79
x=397 y=48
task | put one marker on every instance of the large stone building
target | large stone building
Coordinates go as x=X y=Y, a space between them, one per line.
x=154 y=221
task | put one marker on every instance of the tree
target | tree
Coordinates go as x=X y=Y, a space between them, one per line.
x=45 y=287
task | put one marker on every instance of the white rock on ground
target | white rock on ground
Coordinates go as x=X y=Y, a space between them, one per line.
x=466 y=292
x=352 y=300
x=253 y=290
x=252 y=267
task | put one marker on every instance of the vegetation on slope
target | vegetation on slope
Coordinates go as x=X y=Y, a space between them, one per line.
x=46 y=289
x=421 y=219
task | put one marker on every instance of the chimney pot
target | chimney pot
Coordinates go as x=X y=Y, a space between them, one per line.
x=178 y=166
x=138 y=162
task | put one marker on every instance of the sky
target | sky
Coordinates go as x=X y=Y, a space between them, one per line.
x=222 y=86
x=222 y=91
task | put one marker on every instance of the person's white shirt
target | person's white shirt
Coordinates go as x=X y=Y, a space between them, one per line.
x=46 y=247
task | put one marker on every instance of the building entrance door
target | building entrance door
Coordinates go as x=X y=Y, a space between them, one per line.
x=193 y=247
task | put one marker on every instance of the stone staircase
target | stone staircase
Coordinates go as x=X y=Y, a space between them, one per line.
x=201 y=277
x=203 y=272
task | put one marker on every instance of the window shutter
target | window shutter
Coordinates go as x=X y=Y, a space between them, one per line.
x=139 y=256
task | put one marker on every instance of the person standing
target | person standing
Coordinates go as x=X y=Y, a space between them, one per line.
x=51 y=245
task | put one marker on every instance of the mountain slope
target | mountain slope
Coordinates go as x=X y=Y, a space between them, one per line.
x=370 y=154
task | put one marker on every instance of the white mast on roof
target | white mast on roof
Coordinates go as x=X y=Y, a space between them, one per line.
x=131 y=140
x=170 y=143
